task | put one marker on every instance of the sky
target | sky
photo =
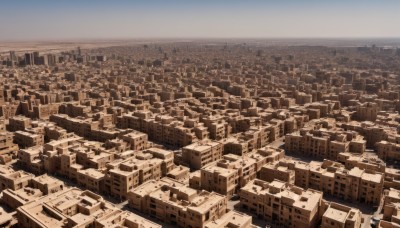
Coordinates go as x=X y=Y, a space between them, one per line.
x=127 y=19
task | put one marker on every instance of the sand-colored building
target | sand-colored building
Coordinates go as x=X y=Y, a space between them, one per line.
x=125 y=219
x=340 y=216
x=17 y=198
x=367 y=111
x=231 y=219
x=6 y=143
x=388 y=151
x=31 y=159
x=391 y=216
x=392 y=178
x=47 y=184
x=91 y=179
x=282 y=203
x=137 y=140
x=174 y=203
x=228 y=174
x=6 y=219
x=28 y=139
x=330 y=177
x=334 y=179
x=279 y=170
x=199 y=154
x=179 y=173
x=68 y=208
x=166 y=156
x=324 y=143
x=15 y=180
x=361 y=161
x=266 y=155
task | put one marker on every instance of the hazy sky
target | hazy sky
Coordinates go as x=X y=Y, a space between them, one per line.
x=75 y=19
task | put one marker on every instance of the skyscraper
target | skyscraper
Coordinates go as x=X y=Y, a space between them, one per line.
x=29 y=59
x=13 y=58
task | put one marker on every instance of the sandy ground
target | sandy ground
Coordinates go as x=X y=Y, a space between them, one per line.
x=58 y=46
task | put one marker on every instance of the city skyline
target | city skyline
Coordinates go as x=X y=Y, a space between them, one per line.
x=62 y=20
x=200 y=113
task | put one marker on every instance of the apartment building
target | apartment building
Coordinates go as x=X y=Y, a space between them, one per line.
x=200 y=154
x=195 y=180
x=361 y=161
x=266 y=155
x=176 y=204
x=217 y=130
x=81 y=127
x=148 y=167
x=367 y=111
x=334 y=179
x=70 y=208
x=231 y=219
x=282 y=203
x=228 y=174
x=28 y=139
x=119 y=218
x=372 y=132
x=6 y=143
x=323 y=143
x=238 y=146
x=47 y=184
x=31 y=159
x=14 y=180
x=390 y=218
x=180 y=173
x=91 y=179
x=338 y=215
x=392 y=178
x=19 y=123
x=279 y=170
x=92 y=156
x=127 y=174
x=118 y=182
x=388 y=151
x=137 y=140
x=53 y=132
x=19 y=197
x=391 y=196
x=160 y=128
x=166 y=156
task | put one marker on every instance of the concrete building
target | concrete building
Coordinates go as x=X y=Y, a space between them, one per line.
x=174 y=203
x=6 y=143
x=27 y=139
x=15 y=180
x=199 y=154
x=278 y=170
x=91 y=179
x=69 y=208
x=136 y=140
x=47 y=184
x=388 y=151
x=228 y=174
x=166 y=156
x=324 y=143
x=282 y=203
x=338 y=215
x=231 y=219
x=332 y=178
x=367 y=111
x=31 y=159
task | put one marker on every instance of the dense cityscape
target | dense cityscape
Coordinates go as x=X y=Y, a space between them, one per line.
x=201 y=134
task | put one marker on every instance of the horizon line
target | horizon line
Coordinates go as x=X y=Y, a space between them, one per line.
x=57 y=40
